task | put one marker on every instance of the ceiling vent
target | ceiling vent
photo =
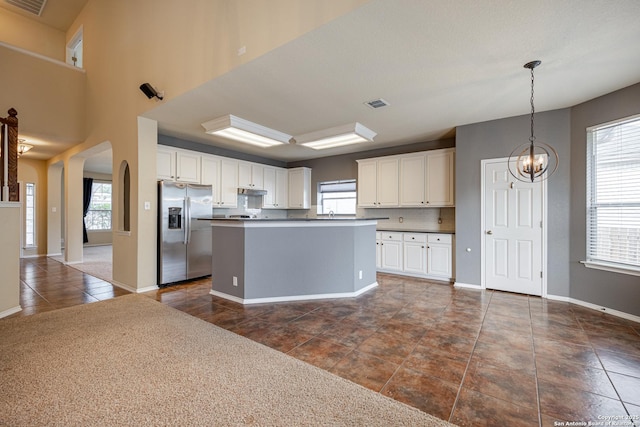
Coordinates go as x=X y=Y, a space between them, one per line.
x=376 y=103
x=31 y=6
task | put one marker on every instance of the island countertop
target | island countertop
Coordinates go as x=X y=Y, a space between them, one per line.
x=335 y=219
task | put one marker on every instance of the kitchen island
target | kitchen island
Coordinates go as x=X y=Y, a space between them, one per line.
x=268 y=260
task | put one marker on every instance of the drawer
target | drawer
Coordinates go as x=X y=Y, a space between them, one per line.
x=392 y=236
x=439 y=238
x=415 y=237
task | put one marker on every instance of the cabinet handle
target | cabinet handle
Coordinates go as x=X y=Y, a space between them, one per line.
x=422 y=247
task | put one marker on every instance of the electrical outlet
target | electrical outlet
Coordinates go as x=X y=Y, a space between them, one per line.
x=235 y=281
x=360 y=275
x=401 y=220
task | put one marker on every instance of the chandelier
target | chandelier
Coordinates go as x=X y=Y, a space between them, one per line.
x=533 y=161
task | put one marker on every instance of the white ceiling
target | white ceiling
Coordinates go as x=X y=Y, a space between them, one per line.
x=440 y=64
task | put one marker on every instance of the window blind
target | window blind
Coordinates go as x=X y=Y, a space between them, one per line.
x=613 y=193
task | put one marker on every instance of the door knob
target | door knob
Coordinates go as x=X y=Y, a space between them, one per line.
x=489 y=232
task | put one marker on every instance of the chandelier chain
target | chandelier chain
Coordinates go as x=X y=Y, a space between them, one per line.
x=532 y=138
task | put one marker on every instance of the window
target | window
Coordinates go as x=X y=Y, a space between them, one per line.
x=30 y=215
x=613 y=195
x=338 y=197
x=99 y=215
x=74 y=49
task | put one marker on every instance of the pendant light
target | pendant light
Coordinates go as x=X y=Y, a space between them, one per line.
x=533 y=161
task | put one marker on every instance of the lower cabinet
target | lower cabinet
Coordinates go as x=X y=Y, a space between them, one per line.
x=426 y=255
x=391 y=251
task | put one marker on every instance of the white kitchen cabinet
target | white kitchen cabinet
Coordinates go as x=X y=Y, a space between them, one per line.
x=392 y=251
x=228 y=183
x=166 y=163
x=299 y=188
x=276 y=183
x=415 y=253
x=250 y=175
x=412 y=180
x=178 y=165
x=426 y=255
x=440 y=180
x=439 y=255
x=378 y=250
x=188 y=166
x=378 y=182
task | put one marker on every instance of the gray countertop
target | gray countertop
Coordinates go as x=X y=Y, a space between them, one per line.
x=293 y=219
x=404 y=230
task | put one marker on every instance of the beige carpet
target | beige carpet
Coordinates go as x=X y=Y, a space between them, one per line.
x=136 y=362
x=96 y=261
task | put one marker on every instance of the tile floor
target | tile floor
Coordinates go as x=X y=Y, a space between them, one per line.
x=470 y=357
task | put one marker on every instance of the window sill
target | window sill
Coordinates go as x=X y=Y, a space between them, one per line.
x=615 y=268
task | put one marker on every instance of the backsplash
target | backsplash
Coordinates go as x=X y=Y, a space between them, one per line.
x=250 y=205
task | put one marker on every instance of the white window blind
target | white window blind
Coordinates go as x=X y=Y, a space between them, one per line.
x=613 y=193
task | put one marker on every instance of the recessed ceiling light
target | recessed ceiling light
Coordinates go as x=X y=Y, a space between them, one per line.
x=238 y=129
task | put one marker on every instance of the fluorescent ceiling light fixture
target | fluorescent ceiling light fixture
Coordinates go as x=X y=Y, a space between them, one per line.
x=352 y=133
x=242 y=130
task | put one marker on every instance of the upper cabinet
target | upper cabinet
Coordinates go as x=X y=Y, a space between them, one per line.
x=299 y=188
x=178 y=165
x=276 y=183
x=222 y=174
x=424 y=179
x=440 y=178
x=250 y=175
x=378 y=182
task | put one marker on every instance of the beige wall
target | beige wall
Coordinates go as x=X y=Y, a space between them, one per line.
x=9 y=258
x=28 y=34
x=176 y=46
x=35 y=171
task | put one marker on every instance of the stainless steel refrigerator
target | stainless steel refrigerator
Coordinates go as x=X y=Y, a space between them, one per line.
x=184 y=242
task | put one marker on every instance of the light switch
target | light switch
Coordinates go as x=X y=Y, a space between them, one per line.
x=54 y=209
x=147 y=206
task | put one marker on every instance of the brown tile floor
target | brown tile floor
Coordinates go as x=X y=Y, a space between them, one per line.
x=471 y=357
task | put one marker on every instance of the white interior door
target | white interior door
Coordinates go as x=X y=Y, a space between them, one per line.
x=513 y=231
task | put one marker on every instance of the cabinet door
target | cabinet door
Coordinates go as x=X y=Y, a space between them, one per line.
x=282 y=188
x=412 y=180
x=415 y=257
x=228 y=183
x=166 y=164
x=188 y=167
x=211 y=176
x=387 y=182
x=244 y=175
x=299 y=188
x=439 y=260
x=391 y=255
x=440 y=178
x=378 y=251
x=367 y=183
x=257 y=176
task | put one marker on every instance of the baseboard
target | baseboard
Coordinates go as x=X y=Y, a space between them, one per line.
x=467 y=285
x=58 y=254
x=134 y=290
x=32 y=256
x=10 y=311
x=293 y=297
x=596 y=307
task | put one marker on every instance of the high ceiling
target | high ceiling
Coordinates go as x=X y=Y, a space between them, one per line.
x=439 y=64
x=58 y=14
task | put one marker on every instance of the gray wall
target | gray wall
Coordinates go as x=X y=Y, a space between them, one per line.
x=612 y=290
x=496 y=139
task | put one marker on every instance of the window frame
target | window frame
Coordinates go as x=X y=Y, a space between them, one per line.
x=592 y=260
x=320 y=199
x=33 y=232
x=89 y=223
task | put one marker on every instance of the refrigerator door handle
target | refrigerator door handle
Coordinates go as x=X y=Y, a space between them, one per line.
x=185 y=220
x=188 y=214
